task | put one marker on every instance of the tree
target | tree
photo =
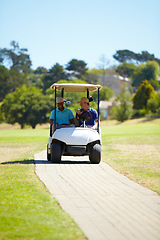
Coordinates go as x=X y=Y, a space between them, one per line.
x=124 y=110
x=16 y=57
x=105 y=94
x=40 y=70
x=124 y=56
x=35 y=80
x=10 y=80
x=55 y=74
x=93 y=75
x=17 y=79
x=125 y=69
x=143 y=94
x=129 y=56
x=149 y=72
x=153 y=104
x=78 y=67
x=104 y=62
x=26 y=106
x=145 y=56
x=4 y=82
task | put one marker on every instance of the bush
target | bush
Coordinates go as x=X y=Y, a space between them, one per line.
x=26 y=106
x=123 y=111
x=153 y=104
x=143 y=94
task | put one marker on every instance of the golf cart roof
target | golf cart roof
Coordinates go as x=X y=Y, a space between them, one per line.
x=74 y=87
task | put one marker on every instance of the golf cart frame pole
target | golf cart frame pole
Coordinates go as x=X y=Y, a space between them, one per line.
x=55 y=111
x=62 y=92
x=98 y=112
x=87 y=93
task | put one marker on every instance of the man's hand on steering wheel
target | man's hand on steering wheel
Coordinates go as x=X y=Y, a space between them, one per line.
x=83 y=115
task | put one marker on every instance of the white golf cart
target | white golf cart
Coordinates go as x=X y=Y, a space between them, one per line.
x=72 y=140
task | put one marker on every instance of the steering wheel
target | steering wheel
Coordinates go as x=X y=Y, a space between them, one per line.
x=85 y=116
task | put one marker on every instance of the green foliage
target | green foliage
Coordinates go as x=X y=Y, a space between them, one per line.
x=26 y=106
x=35 y=80
x=126 y=69
x=124 y=55
x=40 y=70
x=55 y=74
x=10 y=80
x=17 y=79
x=78 y=67
x=123 y=111
x=145 y=56
x=93 y=75
x=105 y=94
x=148 y=71
x=95 y=71
x=153 y=104
x=4 y=82
x=143 y=94
x=129 y=56
x=16 y=57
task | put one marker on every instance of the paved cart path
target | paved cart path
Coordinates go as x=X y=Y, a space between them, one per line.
x=105 y=204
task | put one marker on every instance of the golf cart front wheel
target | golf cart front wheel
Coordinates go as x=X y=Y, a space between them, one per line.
x=95 y=155
x=56 y=152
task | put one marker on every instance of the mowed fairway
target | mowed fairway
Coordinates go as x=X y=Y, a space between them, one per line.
x=133 y=148
x=27 y=210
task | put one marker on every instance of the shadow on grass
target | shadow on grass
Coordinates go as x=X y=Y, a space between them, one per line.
x=149 y=119
x=31 y=161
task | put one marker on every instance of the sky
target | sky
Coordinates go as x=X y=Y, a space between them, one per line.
x=56 y=31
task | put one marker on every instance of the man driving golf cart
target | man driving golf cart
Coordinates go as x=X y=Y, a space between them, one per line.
x=74 y=140
x=92 y=114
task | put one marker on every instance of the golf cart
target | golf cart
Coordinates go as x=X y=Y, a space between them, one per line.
x=72 y=140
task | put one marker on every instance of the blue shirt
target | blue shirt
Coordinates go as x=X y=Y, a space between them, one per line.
x=94 y=114
x=62 y=117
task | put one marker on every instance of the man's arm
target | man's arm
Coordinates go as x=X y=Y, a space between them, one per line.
x=51 y=121
x=95 y=125
x=71 y=120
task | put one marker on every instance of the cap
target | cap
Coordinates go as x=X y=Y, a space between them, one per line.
x=59 y=99
x=83 y=99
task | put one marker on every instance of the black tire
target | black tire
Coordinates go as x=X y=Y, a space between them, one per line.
x=48 y=155
x=95 y=155
x=56 y=152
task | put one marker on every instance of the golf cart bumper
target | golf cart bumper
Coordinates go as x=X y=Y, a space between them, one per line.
x=75 y=150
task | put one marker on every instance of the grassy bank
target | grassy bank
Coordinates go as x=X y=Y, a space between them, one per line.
x=133 y=148
x=27 y=211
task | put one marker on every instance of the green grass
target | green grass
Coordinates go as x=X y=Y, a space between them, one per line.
x=133 y=148
x=27 y=210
